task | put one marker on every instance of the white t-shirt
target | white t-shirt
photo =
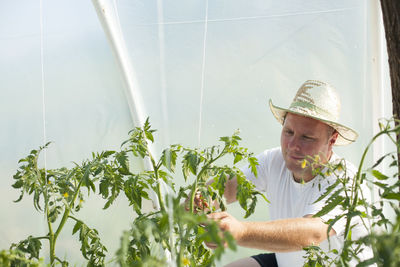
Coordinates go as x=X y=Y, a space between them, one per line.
x=290 y=199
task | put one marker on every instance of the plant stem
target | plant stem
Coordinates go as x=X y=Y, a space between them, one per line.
x=159 y=194
x=158 y=180
x=356 y=181
x=192 y=196
x=53 y=237
x=195 y=185
x=50 y=236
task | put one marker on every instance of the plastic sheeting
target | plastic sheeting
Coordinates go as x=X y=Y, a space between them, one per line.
x=198 y=81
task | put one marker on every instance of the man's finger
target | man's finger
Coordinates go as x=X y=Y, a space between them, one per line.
x=217 y=215
x=211 y=245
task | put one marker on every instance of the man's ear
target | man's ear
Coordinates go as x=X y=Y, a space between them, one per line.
x=333 y=138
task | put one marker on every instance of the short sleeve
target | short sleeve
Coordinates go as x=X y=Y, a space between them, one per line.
x=265 y=160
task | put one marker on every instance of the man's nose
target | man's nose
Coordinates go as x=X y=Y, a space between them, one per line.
x=294 y=144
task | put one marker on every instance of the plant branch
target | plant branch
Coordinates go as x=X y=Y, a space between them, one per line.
x=195 y=185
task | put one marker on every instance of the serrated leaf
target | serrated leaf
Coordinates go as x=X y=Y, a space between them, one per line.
x=380 y=160
x=36 y=200
x=54 y=212
x=333 y=221
x=168 y=159
x=330 y=206
x=18 y=184
x=253 y=162
x=77 y=227
x=106 y=154
x=149 y=136
x=191 y=162
x=328 y=190
x=122 y=158
x=103 y=188
x=34 y=246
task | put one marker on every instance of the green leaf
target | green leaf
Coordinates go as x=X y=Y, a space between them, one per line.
x=190 y=162
x=31 y=245
x=329 y=190
x=106 y=154
x=103 y=188
x=381 y=185
x=77 y=227
x=330 y=206
x=122 y=158
x=168 y=159
x=54 y=212
x=394 y=196
x=18 y=184
x=381 y=159
x=149 y=136
x=86 y=181
x=238 y=157
x=333 y=221
x=253 y=165
x=378 y=175
x=368 y=262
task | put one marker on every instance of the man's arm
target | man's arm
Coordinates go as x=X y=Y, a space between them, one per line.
x=276 y=236
x=230 y=190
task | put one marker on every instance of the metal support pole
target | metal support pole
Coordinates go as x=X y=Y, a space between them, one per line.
x=113 y=31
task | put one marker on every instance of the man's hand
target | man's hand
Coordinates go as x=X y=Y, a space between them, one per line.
x=228 y=223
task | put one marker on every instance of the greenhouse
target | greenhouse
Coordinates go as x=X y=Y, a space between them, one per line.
x=119 y=113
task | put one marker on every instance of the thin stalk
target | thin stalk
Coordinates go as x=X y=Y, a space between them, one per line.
x=53 y=237
x=50 y=236
x=155 y=169
x=194 y=187
x=356 y=181
x=52 y=240
x=180 y=251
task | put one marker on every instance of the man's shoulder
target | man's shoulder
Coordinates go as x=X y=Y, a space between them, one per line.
x=271 y=154
x=271 y=160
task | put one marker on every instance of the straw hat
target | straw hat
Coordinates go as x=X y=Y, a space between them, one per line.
x=320 y=101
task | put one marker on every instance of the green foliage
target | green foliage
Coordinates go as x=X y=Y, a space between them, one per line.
x=15 y=257
x=383 y=234
x=169 y=235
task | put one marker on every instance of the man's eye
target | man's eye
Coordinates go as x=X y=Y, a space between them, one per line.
x=308 y=138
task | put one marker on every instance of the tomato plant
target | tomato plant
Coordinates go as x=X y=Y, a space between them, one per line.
x=167 y=236
x=347 y=193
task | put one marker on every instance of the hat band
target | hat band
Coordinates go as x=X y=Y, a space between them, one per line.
x=317 y=111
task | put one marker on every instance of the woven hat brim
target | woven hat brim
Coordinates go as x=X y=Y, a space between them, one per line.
x=346 y=135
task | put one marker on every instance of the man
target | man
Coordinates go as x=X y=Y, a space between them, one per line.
x=285 y=174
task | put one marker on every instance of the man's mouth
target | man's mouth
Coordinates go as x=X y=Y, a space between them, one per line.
x=295 y=157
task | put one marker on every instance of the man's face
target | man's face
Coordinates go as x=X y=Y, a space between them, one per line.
x=302 y=137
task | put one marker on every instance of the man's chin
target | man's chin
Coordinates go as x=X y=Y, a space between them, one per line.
x=294 y=167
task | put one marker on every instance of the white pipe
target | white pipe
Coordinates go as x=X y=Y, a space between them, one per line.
x=380 y=84
x=377 y=73
x=375 y=23
x=113 y=31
